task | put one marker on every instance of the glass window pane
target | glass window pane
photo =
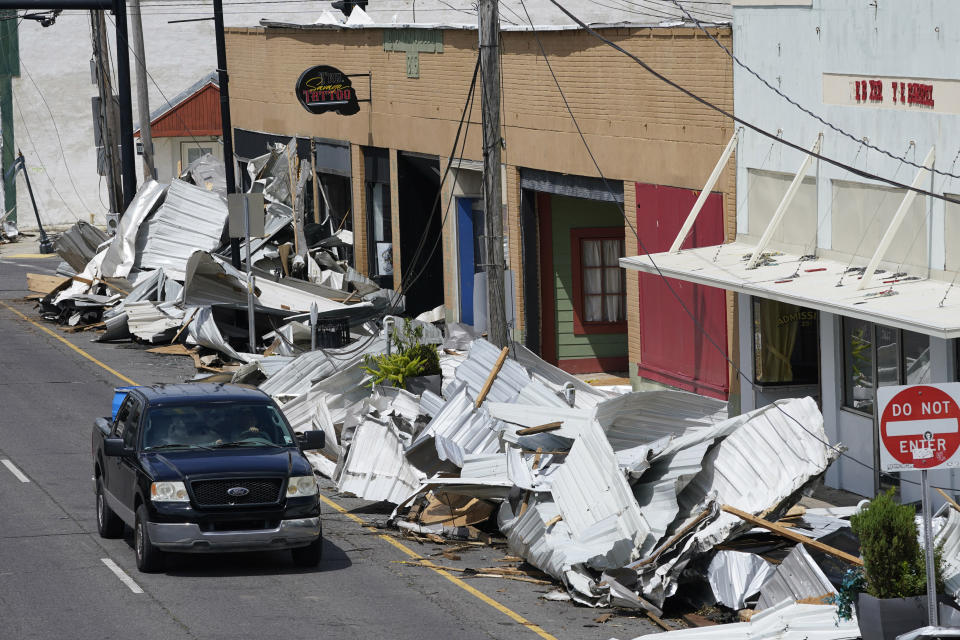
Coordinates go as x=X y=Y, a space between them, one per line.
x=593 y=308
x=888 y=355
x=612 y=281
x=786 y=343
x=916 y=358
x=612 y=252
x=858 y=364
x=592 y=281
x=591 y=253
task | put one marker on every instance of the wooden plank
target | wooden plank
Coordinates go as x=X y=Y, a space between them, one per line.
x=698 y=621
x=790 y=535
x=185 y=325
x=950 y=501
x=552 y=521
x=485 y=389
x=550 y=426
x=663 y=625
x=43 y=283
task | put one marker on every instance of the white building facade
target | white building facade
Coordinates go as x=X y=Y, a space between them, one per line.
x=814 y=318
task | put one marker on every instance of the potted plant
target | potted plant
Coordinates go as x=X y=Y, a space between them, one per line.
x=894 y=567
x=411 y=365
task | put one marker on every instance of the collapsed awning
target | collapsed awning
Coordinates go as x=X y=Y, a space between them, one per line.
x=913 y=302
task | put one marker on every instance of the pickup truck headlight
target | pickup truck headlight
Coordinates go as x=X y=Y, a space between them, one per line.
x=168 y=492
x=301 y=486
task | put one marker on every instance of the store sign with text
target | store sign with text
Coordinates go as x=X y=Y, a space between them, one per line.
x=324 y=88
x=888 y=92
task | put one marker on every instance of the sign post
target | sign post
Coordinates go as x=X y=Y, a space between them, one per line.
x=919 y=431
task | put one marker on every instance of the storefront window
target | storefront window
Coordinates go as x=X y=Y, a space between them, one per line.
x=379 y=225
x=786 y=344
x=879 y=356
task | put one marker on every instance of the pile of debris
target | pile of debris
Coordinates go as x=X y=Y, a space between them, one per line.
x=626 y=500
x=167 y=272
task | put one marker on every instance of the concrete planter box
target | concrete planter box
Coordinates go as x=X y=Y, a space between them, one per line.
x=886 y=618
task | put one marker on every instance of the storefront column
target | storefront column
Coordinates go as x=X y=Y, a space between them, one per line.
x=633 y=281
x=395 y=219
x=511 y=194
x=451 y=261
x=359 y=209
x=748 y=397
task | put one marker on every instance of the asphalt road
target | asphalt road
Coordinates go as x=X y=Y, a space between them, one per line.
x=55 y=578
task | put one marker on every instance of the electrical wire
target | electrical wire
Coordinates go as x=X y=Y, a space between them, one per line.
x=796 y=104
x=700 y=328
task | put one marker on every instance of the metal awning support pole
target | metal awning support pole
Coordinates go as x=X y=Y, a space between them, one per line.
x=898 y=217
x=707 y=188
x=784 y=205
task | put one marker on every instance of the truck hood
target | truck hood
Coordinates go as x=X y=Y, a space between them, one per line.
x=183 y=465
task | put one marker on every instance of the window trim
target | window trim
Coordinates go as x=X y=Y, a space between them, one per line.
x=783 y=385
x=581 y=327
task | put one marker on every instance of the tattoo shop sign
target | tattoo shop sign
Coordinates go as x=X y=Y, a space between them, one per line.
x=324 y=88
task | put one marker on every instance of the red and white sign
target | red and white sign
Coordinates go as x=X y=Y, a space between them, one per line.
x=919 y=426
x=933 y=95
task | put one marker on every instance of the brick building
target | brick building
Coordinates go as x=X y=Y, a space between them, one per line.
x=564 y=228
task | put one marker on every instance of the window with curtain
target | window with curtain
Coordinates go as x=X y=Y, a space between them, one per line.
x=599 y=283
x=878 y=356
x=786 y=344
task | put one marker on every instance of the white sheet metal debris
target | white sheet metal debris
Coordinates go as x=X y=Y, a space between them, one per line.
x=797 y=577
x=735 y=576
x=785 y=621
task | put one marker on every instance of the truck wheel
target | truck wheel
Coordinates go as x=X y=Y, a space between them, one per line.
x=109 y=524
x=149 y=558
x=308 y=556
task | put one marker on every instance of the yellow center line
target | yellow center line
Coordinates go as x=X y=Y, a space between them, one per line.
x=513 y=615
x=71 y=345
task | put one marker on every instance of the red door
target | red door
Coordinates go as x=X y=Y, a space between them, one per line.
x=673 y=350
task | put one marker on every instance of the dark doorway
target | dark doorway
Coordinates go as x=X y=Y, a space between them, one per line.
x=421 y=256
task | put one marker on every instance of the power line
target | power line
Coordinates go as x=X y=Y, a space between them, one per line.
x=822 y=120
x=659 y=76
x=700 y=328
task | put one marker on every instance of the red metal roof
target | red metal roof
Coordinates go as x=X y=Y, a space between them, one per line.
x=197 y=115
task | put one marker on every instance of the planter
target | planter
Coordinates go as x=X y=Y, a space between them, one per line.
x=885 y=619
x=420 y=384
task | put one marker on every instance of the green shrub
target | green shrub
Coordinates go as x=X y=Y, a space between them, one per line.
x=409 y=360
x=892 y=557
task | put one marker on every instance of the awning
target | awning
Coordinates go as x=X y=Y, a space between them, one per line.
x=911 y=302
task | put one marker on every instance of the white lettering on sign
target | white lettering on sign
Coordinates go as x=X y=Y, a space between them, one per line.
x=904 y=428
x=938 y=444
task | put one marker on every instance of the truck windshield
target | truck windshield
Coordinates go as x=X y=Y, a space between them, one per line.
x=214 y=425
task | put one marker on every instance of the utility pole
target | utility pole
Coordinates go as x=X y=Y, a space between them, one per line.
x=225 y=118
x=9 y=68
x=493 y=210
x=109 y=118
x=143 y=100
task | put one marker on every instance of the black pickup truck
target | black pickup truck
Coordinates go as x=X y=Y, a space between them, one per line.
x=205 y=468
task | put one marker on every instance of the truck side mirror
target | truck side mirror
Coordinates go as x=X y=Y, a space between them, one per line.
x=113 y=447
x=311 y=440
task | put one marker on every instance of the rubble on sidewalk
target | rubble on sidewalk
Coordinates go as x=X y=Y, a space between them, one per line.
x=623 y=499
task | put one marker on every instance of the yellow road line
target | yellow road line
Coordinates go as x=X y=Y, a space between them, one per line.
x=71 y=345
x=28 y=255
x=513 y=615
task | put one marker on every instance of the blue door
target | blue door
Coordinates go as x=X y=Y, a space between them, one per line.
x=469 y=230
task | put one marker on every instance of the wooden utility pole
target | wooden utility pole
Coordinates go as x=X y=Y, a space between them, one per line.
x=492 y=199
x=143 y=99
x=227 y=128
x=109 y=118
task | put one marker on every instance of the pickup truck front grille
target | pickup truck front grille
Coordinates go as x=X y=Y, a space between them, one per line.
x=213 y=493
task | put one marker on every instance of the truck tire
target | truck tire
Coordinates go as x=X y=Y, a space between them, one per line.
x=109 y=524
x=149 y=558
x=308 y=556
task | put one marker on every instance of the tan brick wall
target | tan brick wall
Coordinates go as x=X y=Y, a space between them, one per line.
x=448 y=209
x=359 y=209
x=633 y=281
x=511 y=188
x=639 y=129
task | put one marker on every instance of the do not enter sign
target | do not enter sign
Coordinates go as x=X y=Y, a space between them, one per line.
x=919 y=426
